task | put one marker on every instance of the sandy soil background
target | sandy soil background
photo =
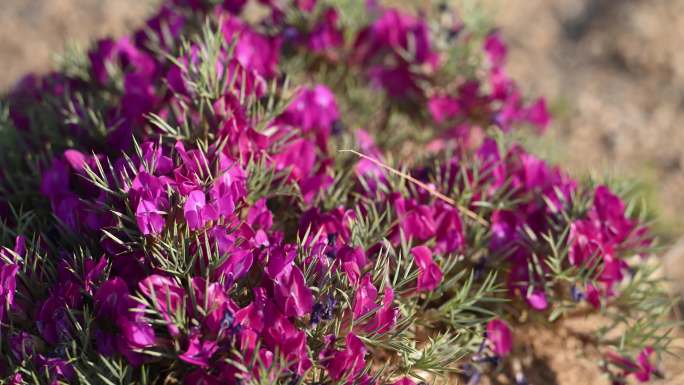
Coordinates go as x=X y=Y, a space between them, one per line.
x=613 y=71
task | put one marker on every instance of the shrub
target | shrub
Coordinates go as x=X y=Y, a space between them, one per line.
x=195 y=203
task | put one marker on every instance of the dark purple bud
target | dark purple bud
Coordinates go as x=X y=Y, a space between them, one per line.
x=493 y=360
x=290 y=33
x=338 y=127
x=323 y=310
x=576 y=294
x=329 y=308
x=228 y=319
x=480 y=267
x=316 y=312
x=472 y=373
x=475 y=379
x=453 y=33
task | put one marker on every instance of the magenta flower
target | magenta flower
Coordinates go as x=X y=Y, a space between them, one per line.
x=444 y=108
x=149 y=192
x=195 y=166
x=349 y=362
x=495 y=49
x=382 y=42
x=429 y=273
x=398 y=82
x=327 y=34
x=289 y=288
x=504 y=229
x=52 y=318
x=165 y=27
x=519 y=281
x=601 y=234
x=417 y=221
x=228 y=188
x=135 y=335
x=57 y=368
x=314 y=110
x=306 y=5
x=499 y=335
x=8 y=286
x=537 y=299
x=538 y=115
x=284 y=336
x=259 y=216
x=642 y=369
x=150 y=219
x=22 y=345
x=114 y=307
x=197 y=213
x=609 y=213
x=199 y=352
x=167 y=297
x=593 y=296
x=299 y=157
x=449 y=236
x=291 y=293
x=239 y=259
x=112 y=299
x=366 y=295
x=404 y=381
x=256 y=301
x=393 y=30
x=386 y=316
x=16 y=379
x=352 y=261
x=371 y=176
x=55 y=180
x=253 y=50
x=646 y=368
x=139 y=98
x=121 y=53
x=155 y=159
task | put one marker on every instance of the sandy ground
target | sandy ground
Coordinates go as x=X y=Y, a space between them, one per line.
x=33 y=31
x=613 y=71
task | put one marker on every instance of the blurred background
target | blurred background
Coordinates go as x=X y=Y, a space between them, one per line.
x=612 y=72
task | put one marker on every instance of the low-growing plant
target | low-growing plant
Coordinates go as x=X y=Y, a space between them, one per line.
x=301 y=192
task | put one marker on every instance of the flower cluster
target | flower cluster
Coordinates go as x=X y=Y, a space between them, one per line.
x=197 y=222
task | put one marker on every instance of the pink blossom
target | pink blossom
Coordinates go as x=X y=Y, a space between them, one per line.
x=197 y=212
x=500 y=337
x=429 y=273
x=150 y=218
x=404 y=381
x=167 y=297
x=366 y=295
x=348 y=363
x=8 y=286
x=327 y=34
x=199 y=352
x=292 y=294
